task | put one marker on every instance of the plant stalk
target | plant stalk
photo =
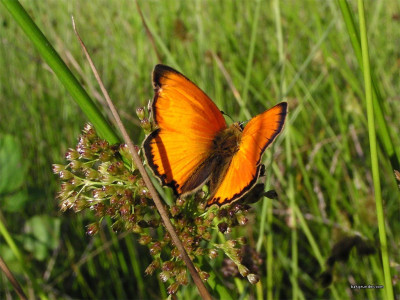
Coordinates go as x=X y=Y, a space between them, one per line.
x=374 y=153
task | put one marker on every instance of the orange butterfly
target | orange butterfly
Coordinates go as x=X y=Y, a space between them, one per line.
x=193 y=144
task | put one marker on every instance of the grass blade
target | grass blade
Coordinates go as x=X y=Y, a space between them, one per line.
x=383 y=129
x=374 y=153
x=250 y=58
x=51 y=57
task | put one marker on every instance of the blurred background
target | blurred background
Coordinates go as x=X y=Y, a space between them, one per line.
x=247 y=56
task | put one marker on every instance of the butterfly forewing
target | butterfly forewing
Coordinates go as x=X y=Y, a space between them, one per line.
x=187 y=122
x=180 y=104
x=244 y=168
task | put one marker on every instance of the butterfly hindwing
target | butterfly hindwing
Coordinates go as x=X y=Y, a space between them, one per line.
x=244 y=168
x=187 y=122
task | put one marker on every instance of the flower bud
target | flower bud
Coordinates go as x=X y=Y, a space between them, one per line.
x=201 y=229
x=145 y=239
x=175 y=252
x=145 y=124
x=108 y=189
x=110 y=211
x=125 y=209
x=173 y=288
x=132 y=178
x=71 y=154
x=137 y=229
x=100 y=209
x=75 y=165
x=204 y=275
x=198 y=221
x=124 y=150
x=167 y=237
x=211 y=216
x=181 y=278
x=242 y=219
x=175 y=210
x=103 y=145
x=155 y=248
x=180 y=201
x=83 y=143
x=212 y=253
x=98 y=194
x=253 y=278
x=76 y=181
x=86 y=154
x=66 y=187
x=243 y=270
x=140 y=112
x=91 y=174
x=92 y=229
x=80 y=204
x=105 y=156
x=202 y=206
x=65 y=175
x=95 y=147
x=115 y=168
x=91 y=135
x=231 y=243
x=57 y=168
x=64 y=205
x=155 y=264
x=206 y=236
x=164 y=276
x=168 y=266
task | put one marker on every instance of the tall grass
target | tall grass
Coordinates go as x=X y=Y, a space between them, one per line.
x=307 y=53
x=374 y=152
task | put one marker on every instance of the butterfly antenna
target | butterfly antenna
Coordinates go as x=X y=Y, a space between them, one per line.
x=241 y=124
x=222 y=112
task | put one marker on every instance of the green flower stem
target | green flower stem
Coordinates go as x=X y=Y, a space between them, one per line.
x=55 y=62
x=374 y=153
x=10 y=242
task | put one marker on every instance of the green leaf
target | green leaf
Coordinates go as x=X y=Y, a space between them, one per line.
x=14 y=202
x=8 y=256
x=218 y=288
x=13 y=169
x=42 y=234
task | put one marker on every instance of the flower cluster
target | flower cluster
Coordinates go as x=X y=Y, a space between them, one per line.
x=102 y=178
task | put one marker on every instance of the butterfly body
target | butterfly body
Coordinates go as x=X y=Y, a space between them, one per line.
x=227 y=141
x=193 y=144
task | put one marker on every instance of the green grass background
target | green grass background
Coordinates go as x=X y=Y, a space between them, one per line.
x=298 y=51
